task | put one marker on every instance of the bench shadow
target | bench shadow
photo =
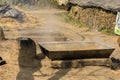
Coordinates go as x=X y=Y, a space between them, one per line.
x=29 y=62
x=26 y=73
x=62 y=72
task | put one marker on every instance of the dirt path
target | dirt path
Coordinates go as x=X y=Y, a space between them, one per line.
x=52 y=29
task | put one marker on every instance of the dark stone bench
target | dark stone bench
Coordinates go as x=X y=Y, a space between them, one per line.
x=27 y=52
x=75 y=50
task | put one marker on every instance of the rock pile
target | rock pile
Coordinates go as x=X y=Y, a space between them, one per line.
x=7 y=12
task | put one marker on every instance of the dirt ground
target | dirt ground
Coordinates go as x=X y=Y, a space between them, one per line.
x=52 y=28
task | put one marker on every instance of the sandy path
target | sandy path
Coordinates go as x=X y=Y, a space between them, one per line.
x=53 y=28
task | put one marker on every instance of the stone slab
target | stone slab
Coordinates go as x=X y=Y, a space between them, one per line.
x=75 y=50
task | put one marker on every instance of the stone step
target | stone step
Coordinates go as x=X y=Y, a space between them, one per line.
x=75 y=50
x=80 y=63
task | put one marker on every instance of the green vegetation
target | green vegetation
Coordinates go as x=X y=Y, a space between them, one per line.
x=76 y=22
x=73 y=21
x=104 y=30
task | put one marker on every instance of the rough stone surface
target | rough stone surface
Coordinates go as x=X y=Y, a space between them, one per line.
x=80 y=63
x=14 y=13
x=27 y=52
x=93 y=18
x=6 y=11
x=3 y=8
x=76 y=50
x=111 y=5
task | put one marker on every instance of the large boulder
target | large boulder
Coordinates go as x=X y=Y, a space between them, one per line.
x=111 y=5
x=14 y=13
x=7 y=12
x=4 y=8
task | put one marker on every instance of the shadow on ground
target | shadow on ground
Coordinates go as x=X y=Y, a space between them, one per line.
x=29 y=61
x=26 y=73
x=62 y=72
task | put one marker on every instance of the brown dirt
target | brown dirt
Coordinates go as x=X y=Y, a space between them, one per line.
x=52 y=23
x=29 y=21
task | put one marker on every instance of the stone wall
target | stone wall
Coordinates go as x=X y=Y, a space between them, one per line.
x=94 y=18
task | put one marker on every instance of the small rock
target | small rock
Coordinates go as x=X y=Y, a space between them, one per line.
x=0 y=58
x=115 y=63
x=2 y=62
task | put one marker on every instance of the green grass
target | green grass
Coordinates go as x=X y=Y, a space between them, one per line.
x=108 y=31
x=73 y=21
x=104 y=30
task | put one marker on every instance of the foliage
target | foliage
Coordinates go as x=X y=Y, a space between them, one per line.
x=73 y=21
x=76 y=22
x=104 y=30
x=2 y=1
